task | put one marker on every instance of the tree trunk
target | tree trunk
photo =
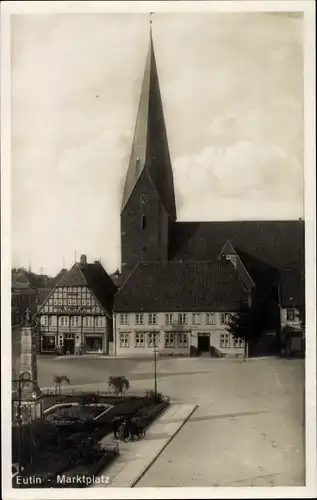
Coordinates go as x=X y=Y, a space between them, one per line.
x=246 y=349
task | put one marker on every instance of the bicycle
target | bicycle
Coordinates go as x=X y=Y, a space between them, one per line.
x=127 y=434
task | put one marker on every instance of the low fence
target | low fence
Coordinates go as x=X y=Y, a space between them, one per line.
x=98 y=393
x=50 y=398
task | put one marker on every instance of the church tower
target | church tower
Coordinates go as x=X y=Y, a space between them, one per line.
x=148 y=204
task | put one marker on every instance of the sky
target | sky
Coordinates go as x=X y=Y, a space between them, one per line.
x=232 y=91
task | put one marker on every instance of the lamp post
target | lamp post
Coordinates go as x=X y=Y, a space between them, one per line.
x=23 y=381
x=154 y=334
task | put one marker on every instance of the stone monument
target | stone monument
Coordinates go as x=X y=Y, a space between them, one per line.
x=27 y=393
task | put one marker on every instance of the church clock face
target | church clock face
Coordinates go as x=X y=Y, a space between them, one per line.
x=143 y=199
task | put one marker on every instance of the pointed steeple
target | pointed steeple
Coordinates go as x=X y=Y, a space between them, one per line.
x=150 y=152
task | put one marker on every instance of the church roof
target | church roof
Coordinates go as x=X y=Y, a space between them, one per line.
x=266 y=243
x=176 y=286
x=95 y=278
x=148 y=153
x=292 y=287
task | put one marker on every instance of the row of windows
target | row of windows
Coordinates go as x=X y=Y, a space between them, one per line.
x=148 y=339
x=73 y=289
x=72 y=301
x=89 y=321
x=171 y=339
x=178 y=319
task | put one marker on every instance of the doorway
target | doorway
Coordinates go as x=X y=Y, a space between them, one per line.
x=203 y=342
x=69 y=344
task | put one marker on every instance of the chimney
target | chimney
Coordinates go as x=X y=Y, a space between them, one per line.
x=83 y=259
x=96 y=261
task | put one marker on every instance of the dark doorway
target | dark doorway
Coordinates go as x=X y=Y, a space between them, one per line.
x=203 y=342
x=69 y=345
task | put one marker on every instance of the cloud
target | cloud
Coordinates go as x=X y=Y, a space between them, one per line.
x=243 y=181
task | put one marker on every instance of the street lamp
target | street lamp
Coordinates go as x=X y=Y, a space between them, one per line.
x=19 y=384
x=154 y=336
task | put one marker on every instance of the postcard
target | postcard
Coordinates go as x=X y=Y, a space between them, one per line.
x=158 y=255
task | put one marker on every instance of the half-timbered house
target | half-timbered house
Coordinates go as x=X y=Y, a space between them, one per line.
x=76 y=317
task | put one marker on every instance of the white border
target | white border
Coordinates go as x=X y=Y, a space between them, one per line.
x=30 y=7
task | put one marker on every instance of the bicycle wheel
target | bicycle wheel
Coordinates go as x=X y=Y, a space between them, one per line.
x=126 y=438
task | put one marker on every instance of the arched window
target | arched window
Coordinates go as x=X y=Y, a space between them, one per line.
x=143 y=222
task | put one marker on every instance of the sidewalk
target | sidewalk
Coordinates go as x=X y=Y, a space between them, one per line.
x=136 y=458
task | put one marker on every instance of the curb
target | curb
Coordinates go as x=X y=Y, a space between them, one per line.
x=163 y=447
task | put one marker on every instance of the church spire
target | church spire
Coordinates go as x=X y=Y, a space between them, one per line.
x=150 y=152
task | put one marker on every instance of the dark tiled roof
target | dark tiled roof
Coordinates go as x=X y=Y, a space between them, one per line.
x=292 y=287
x=73 y=277
x=52 y=281
x=95 y=278
x=275 y=243
x=175 y=286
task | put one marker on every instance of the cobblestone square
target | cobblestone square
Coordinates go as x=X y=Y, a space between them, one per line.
x=248 y=429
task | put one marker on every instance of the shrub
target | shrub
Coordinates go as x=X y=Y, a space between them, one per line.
x=155 y=397
x=118 y=385
x=58 y=381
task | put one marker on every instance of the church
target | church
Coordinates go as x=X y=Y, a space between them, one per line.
x=181 y=281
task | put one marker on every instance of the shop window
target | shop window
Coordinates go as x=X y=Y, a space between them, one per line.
x=48 y=343
x=94 y=344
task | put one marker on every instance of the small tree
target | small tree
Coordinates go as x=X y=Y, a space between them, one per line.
x=119 y=385
x=58 y=381
x=247 y=324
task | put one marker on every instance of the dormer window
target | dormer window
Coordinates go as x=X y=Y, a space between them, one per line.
x=143 y=222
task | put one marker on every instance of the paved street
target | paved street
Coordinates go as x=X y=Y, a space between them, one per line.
x=248 y=428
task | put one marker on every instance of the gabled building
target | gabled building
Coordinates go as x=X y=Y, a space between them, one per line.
x=163 y=260
x=185 y=306
x=26 y=293
x=76 y=317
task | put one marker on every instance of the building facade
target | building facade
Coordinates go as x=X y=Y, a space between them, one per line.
x=184 y=308
x=175 y=333
x=76 y=317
